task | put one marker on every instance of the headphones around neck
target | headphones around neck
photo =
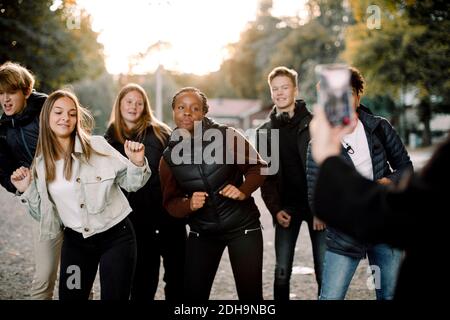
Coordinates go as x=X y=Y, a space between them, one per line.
x=282 y=118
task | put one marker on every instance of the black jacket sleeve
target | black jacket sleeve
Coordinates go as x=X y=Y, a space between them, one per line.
x=270 y=192
x=369 y=211
x=6 y=167
x=270 y=195
x=396 y=153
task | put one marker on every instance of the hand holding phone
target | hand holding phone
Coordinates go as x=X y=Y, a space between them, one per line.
x=334 y=93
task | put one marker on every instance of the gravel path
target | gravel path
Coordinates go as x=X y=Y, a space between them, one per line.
x=16 y=260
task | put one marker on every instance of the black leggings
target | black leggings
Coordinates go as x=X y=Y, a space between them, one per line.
x=115 y=251
x=168 y=243
x=203 y=256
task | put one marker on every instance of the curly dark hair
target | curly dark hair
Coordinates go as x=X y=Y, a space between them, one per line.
x=195 y=90
x=357 y=81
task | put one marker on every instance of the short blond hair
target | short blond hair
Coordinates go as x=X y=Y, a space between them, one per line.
x=15 y=77
x=283 y=71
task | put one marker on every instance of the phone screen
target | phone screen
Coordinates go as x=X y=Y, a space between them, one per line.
x=334 y=92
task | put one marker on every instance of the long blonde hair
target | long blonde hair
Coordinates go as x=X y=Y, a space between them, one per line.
x=120 y=130
x=48 y=145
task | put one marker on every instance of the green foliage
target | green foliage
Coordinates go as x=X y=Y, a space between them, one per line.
x=382 y=54
x=58 y=46
x=214 y=84
x=432 y=48
x=246 y=69
x=318 y=41
x=302 y=50
x=269 y=42
x=410 y=51
x=381 y=105
x=98 y=96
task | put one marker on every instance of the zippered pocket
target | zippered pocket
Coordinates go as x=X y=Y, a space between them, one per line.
x=196 y=233
x=251 y=230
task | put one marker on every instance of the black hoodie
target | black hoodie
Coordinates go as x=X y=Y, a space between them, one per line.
x=18 y=138
x=146 y=203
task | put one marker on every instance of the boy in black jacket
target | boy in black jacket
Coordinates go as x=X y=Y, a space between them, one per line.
x=285 y=192
x=374 y=148
x=373 y=213
x=19 y=130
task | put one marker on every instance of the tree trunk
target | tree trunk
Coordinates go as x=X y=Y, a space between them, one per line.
x=426 y=134
x=425 y=117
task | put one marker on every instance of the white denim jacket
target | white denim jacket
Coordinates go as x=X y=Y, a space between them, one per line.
x=102 y=203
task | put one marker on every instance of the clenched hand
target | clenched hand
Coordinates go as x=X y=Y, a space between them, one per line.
x=21 y=179
x=198 y=200
x=135 y=151
x=232 y=192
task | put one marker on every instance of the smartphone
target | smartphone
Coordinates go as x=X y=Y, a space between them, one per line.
x=334 y=92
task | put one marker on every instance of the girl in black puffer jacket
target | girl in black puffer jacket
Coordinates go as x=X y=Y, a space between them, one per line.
x=202 y=178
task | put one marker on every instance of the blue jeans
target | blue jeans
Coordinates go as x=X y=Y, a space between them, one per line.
x=338 y=271
x=285 y=241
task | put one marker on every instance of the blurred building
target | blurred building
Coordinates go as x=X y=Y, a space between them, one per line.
x=238 y=113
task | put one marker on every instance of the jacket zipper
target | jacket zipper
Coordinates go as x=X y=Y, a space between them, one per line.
x=210 y=193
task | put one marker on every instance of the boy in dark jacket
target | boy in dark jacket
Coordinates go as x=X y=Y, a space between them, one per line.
x=373 y=148
x=19 y=130
x=400 y=217
x=285 y=192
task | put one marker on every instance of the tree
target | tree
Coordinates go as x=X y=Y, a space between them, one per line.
x=57 y=45
x=410 y=51
x=320 y=40
x=98 y=96
x=250 y=56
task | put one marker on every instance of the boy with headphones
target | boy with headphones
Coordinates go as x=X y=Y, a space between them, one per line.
x=285 y=192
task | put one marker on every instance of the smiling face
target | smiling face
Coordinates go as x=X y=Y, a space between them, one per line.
x=283 y=93
x=188 y=108
x=63 y=118
x=13 y=102
x=131 y=108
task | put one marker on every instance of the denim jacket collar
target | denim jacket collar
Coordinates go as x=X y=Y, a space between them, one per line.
x=77 y=148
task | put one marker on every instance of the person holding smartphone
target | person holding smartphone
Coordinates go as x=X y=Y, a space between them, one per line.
x=373 y=147
x=403 y=217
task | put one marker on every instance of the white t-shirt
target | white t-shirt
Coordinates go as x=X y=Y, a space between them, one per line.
x=360 y=156
x=64 y=197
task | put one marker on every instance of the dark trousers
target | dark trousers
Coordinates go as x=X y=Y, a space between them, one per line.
x=168 y=243
x=203 y=256
x=114 y=250
x=285 y=242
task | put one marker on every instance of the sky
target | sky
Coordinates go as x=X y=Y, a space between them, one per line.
x=195 y=32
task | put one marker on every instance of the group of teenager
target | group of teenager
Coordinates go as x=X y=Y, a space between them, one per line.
x=119 y=203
